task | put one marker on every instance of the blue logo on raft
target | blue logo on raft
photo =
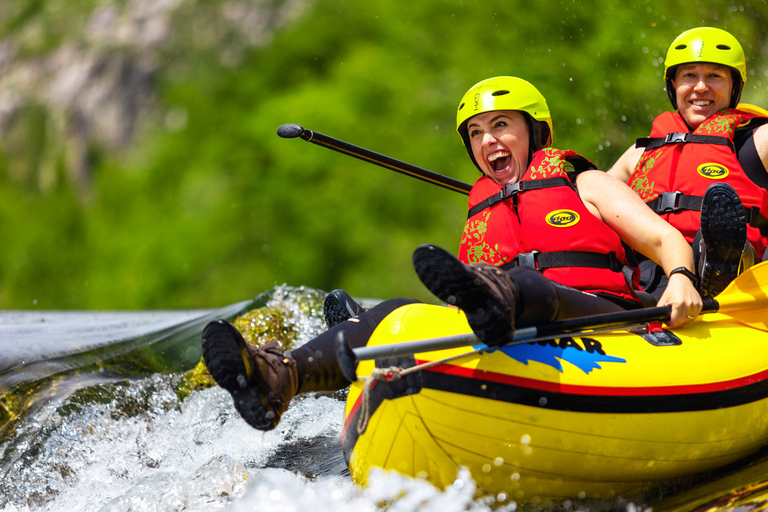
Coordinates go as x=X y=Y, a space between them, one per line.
x=585 y=355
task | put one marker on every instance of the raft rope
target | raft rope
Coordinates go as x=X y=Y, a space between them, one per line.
x=397 y=373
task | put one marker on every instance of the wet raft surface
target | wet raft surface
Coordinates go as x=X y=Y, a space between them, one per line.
x=99 y=411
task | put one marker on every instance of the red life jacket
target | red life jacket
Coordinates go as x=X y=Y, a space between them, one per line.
x=677 y=167
x=541 y=222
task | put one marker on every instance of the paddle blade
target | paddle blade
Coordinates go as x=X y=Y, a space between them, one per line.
x=746 y=298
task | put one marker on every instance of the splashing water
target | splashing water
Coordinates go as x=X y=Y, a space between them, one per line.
x=120 y=444
x=282 y=491
x=129 y=443
x=137 y=448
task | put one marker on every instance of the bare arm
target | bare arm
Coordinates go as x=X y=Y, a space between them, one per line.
x=761 y=143
x=626 y=164
x=621 y=209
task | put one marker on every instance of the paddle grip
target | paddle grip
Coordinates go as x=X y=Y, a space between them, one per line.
x=346 y=357
x=710 y=306
x=290 y=131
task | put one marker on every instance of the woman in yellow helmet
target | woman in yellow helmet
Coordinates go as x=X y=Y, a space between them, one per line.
x=545 y=235
x=506 y=127
x=710 y=156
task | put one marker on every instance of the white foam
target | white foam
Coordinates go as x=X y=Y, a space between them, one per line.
x=282 y=491
x=188 y=456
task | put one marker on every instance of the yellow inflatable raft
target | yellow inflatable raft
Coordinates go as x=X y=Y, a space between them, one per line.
x=577 y=416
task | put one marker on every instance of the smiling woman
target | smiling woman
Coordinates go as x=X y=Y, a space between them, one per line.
x=672 y=169
x=702 y=90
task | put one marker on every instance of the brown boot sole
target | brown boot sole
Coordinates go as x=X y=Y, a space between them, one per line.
x=224 y=353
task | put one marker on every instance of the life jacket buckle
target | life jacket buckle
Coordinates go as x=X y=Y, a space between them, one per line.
x=511 y=189
x=675 y=138
x=528 y=259
x=669 y=201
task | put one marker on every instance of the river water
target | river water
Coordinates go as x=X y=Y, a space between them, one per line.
x=103 y=427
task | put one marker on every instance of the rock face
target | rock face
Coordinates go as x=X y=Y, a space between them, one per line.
x=91 y=87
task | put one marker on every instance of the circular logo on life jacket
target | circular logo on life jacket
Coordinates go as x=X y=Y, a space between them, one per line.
x=562 y=218
x=713 y=171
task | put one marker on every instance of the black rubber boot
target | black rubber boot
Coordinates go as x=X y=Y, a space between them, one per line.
x=340 y=307
x=723 y=241
x=261 y=380
x=486 y=294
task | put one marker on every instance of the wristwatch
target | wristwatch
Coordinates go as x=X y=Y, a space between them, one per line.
x=687 y=273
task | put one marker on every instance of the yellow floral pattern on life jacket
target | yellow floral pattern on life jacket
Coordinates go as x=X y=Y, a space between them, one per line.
x=550 y=165
x=722 y=124
x=478 y=250
x=640 y=181
x=547 y=163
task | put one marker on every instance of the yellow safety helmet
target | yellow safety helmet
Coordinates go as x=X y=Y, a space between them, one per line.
x=710 y=45
x=506 y=93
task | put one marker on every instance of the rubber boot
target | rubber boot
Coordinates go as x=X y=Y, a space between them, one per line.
x=261 y=380
x=721 y=247
x=487 y=295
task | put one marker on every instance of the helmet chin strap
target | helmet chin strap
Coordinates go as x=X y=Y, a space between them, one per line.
x=533 y=130
x=738 y=87
x=538 y=138
x=671 y=93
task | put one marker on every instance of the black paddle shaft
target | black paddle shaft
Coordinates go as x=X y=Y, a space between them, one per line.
x=621 y=318
x=290 y=131
x=349 y=357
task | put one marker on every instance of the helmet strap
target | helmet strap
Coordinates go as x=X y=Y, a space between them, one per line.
x=533 y=136
x=738 y=87
x=672 y=93
x=539 y=136
x=468 y=146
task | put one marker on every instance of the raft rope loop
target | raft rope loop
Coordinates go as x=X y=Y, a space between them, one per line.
x=396 y=373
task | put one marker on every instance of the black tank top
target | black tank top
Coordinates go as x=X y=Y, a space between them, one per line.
x=748 y=157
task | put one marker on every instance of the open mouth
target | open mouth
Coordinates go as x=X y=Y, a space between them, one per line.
x=499 y=160
x=701 y=103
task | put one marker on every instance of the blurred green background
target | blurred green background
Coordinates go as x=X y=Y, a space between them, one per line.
x=140 y=166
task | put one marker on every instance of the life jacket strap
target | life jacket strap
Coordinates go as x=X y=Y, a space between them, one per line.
x=671 y=202
x=559 y=259
x=512 y=189
x=650 y=143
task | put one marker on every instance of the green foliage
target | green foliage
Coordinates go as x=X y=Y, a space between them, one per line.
x=209 y=206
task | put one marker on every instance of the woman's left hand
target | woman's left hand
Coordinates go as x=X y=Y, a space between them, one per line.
x=684 y=298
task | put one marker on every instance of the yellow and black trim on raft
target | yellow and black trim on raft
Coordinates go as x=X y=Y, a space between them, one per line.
x=579 y=416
